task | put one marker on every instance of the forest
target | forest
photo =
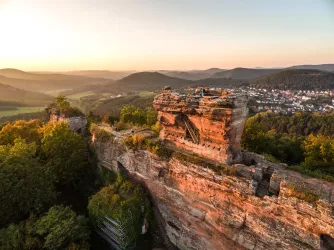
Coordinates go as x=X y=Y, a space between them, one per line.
x=301 y=79
x=303 y=140
x=52 y=195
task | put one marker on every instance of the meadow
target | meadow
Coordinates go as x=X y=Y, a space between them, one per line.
x=9 y=111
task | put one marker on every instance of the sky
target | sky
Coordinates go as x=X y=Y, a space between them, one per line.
x=61 y=35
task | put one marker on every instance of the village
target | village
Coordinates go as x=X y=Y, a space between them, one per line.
x=288 y=101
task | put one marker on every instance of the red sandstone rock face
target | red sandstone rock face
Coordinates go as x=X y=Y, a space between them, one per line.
x=217 y=121
x=204 y=210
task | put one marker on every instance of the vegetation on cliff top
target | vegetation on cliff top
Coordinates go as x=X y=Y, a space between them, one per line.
x=303 y=140
x=125 y=203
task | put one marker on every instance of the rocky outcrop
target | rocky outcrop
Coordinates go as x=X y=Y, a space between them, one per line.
x=77 y=124
x=206 y=210
x=209 y=126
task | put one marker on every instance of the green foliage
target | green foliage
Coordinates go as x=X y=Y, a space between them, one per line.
x=24 y=185
x=158 y=149
x=114 y=106
x=31 y=131
x=151 y=117
x=100 y=133
x=63 y=106
x=60 y=228
x=156 y=128
x=135 y=142
x=131 y=114
x=63 y=150
x=312 y=171
x=305 y=79
x=121 y=202
x=63 y=103
x=107 y=176
x=303 y=138
x=302 y=193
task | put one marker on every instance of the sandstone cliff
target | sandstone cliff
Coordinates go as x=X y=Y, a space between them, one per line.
x=261 y=206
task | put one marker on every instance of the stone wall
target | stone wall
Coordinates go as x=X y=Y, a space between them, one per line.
x=217 y=122
x=206 y=210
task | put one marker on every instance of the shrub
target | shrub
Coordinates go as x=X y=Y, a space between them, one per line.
x=303 y=193
x=124 y=202
x=103 y=135
x=135 y=142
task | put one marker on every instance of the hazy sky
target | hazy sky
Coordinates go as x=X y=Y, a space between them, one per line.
x=166 y=34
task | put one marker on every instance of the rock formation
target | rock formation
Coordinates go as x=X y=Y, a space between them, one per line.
x=256 y=205
x=209 y=126
x=77 y=123
x=203 y=209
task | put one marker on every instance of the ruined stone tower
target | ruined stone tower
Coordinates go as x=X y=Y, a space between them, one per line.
x=209 y=124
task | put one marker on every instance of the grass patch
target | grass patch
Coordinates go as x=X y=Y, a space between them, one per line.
x=303 y=193
x=80 y=95
x=312 y=173
x=20 y=110
x=55 y=92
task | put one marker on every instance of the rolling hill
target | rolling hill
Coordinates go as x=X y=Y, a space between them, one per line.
x=244 y=73
x=305 y=79
x=115 y=75
x=324 y=67
x=151 y=81
x=11 y=96
x=191 y=74
x=43 y=82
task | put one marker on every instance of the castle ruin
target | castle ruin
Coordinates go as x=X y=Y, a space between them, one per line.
x=208 y=123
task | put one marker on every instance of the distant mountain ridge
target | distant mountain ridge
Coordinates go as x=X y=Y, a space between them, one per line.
x=304 y=79
x=324 y=67
x=9 y=94
x=114 y=75
x=244 y=73
x=43 y=82
x=191 y=74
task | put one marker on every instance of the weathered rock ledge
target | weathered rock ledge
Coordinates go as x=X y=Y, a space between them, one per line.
x=255 y=207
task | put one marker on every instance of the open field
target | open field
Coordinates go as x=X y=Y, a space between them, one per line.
x=20 y=110
x=55 y=92
x=79 y=95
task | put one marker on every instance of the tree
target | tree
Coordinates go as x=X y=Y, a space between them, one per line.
x=63 y=103
x=319 y=148
x=24 y=185
x=131 y=114
x=63 y=151
x=151 y=116
x=60 y=228
x=31 y=131
x=123 y=202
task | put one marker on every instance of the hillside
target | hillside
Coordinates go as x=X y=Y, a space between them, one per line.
x=151 y=81
x=14 y=96
x=143 y=81
x=304 y=79
x=324 y=67
x=43 y=82
x=191 y=74
x=244 y=73
x=116 y=75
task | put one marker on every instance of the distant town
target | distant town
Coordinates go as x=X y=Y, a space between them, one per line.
x=287 y=101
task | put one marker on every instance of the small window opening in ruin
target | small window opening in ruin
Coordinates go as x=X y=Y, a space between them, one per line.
x=326 y=242
x=263 y=186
